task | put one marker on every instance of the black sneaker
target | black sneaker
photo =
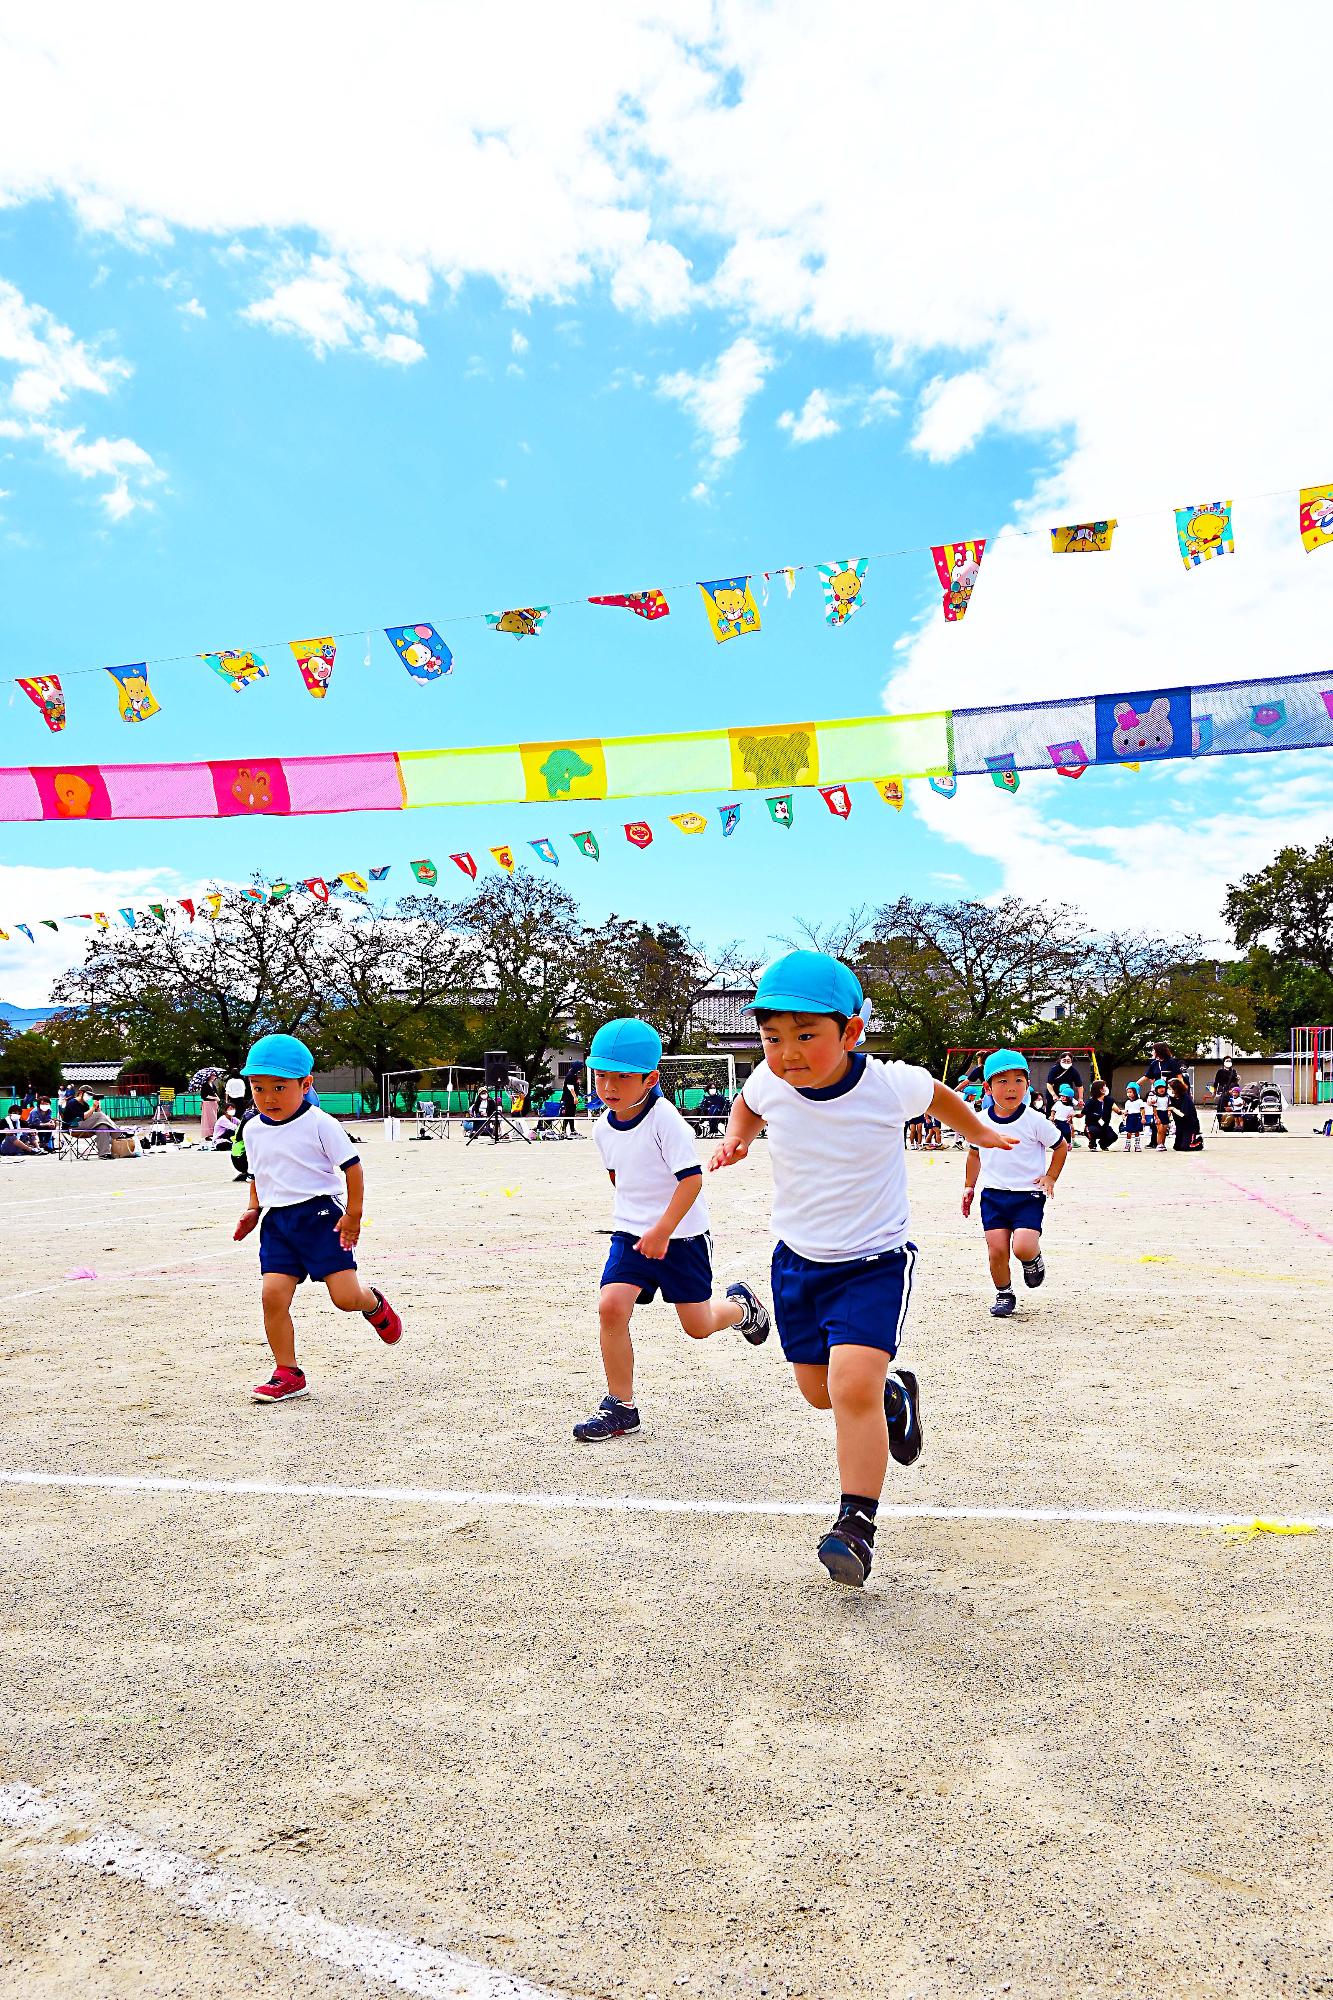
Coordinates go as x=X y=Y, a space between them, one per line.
x=1035 y=1272
x=754 y=1325
x=902 y=1408
x=845 y=1552
x=1005 y=1303
x=611 y=1420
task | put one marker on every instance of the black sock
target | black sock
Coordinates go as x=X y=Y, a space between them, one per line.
x=865 y=1508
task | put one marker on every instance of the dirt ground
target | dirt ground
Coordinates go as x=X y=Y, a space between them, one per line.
x=623 y=1753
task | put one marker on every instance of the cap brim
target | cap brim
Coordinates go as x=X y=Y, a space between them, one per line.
x=790 y=1003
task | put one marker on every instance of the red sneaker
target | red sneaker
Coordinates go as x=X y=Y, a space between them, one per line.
x=282 y=1385
x=385 y=1320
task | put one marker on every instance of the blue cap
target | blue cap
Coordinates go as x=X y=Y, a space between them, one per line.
x=279 y=1055
x=808 y=982
x=626 y=1047
x=1000 y=1060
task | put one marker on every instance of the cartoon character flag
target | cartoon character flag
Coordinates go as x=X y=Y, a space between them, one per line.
x=45 y=690
x=586 y=843
x=1004 y=771
x=315 y=659
x=357 y=883
x=29 y=936
x=638 y=833
x=689 y=822
x=100 y=919
x=187 y=905
x=1204 y=531
x=956 y=566
x=380 y=874
x=732 y=611
x=421 y=650
x=128 y=917
x=278 y=892
x=426 y=872
x=504 y=858
x=50 y=924
x=466 y=863
x=133 y=692
x=155 y=909
x=892 y=791
x=1316 y=517
x=524 y=622
x=780 y=809
x=838 y=800
x=841 y=579
x=545 y=851
x=643 y=603
x=317 y=886
x=946 y=787
x=238 y=670
x=1083 y=538
x=731 y=819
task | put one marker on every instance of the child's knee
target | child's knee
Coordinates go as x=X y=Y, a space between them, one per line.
x=613 y=1314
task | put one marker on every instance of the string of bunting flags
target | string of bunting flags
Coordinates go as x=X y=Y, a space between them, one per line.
x=1204 y=530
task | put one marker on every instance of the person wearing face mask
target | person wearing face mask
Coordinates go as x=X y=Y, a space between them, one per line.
x=1065 y=1070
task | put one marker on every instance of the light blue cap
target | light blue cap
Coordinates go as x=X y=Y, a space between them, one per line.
x=279 y=1055
x=626 y=1047
x=1000 y=1060
x=808 y=982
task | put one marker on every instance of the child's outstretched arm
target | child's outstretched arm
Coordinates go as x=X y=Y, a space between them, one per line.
x=971 y=1170
x=743 y=1128
x=952 y=1110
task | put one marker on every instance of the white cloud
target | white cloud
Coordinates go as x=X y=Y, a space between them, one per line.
x=191 y=309
x=822 y=413
x=717 y=397
x=816 y=419
x=954 y=412
x=653 y=280
x=518 y=343
x=319 y=307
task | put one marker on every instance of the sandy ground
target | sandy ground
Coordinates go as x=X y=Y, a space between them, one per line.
x=644 y=1754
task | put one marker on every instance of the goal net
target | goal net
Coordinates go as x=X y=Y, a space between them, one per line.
x=432 y=1097
x=687 y=1081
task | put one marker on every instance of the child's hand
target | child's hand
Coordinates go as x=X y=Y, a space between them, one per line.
x=1046 y=1186
x=653 y=1243
x=967 y=1200
x=349 y=1231
x=1001 y=1142
x=245 y=1225
x=727 y=1154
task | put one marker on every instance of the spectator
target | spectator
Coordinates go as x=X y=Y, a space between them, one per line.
x=208 y=1108
x=38 y=1119
x=1097 y=1123
x=1189 y=1139
x=75 y=1106
x=569 y=1104
x=1164 y=1065
x=225 y=1130
x=1226 y=1080
x=96 y=1121
x=1065 y=1070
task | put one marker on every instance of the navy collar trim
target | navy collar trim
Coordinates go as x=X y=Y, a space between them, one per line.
x=997 y=1119
x=854 y=1074
x=304 y=1106
x=628 y=1124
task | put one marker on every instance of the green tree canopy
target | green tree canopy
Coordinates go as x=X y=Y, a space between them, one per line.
x=1290 y=902
x=657 y=971
x=32 y=1061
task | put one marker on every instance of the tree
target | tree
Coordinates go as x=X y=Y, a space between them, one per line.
x=526 y=944
x=1282 y=994
x=395 y=989
x=1133 y=990
x=1291 y=902
x=33 y=1061
x=657 y=971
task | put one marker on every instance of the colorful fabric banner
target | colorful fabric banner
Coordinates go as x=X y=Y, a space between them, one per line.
x=100 y=919
x=893 y=792
x=421 y=650
x=466 y=863
x=1137 y=726
x=315 y=659
x=1316 y=517
x=29 y=936
x=128 y=917
x=187 y=905
x=523 y=622
x=317 y=886
x=841 y=580
x=45 y=690
x=212 y=904
x=238 y=670
x=380 y=874
x=956 y=566
x=731 y=819
x=638 y=833
x=1003 y=772
x=504 y=858
x=586 y=843
x=946 y=787
x=1084 y=538
x=356 y=883
x=50 y=924
x=838 y=800
x=643 y=603
x=1204 y=531
x=133 y=692
x=729 y=603
x=158 y=910
x=689 y=822
x=278 y=892
x=780 y=809
x=545 y=851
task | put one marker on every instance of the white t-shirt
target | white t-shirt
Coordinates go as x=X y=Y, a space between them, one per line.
x=839 y=1173
x=650 y=1154
x=297 y=1158
x=1024 y=1166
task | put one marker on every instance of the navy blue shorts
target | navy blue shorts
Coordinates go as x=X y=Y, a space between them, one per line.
x=1012 y=1208
x=302 y=1241
x=684 y=1276
x=862 y=1303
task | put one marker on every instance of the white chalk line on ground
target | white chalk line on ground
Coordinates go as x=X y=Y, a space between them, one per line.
x=633 y=1503
x=113 y=1194
x=163 y=1267
x=220 y=1897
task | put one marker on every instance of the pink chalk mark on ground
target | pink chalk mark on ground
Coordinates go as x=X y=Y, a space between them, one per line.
x=1287 y=1214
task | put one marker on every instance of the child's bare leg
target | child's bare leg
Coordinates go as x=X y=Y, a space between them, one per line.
x=1027 y=1245
x=710 y=1316
x=349 y=1294
x=278 y=1291
x=856 y=1390
x=614 y=1307
x=997 y=1249
x=812 y=1382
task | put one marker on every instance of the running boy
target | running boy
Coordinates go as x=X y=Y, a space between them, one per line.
x=1015 y=1186
x=659 y=1224
x=298 y=1157
x=843 y=1263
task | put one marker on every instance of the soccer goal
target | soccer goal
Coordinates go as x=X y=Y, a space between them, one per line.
x=1312 y=1065
x=960 y=1060
x=428 y=1099
x=702 y=1087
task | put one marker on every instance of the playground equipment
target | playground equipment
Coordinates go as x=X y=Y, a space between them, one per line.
x=1312 y=1065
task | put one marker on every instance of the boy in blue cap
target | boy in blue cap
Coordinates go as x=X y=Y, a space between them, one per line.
x=843 y=1263
x=659 y=1234
x=1015 y=1186
x=298 y=1158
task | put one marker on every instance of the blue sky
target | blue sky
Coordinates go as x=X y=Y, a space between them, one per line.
x=621 y=343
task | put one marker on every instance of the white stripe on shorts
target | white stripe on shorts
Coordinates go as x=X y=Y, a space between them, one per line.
x=909 y=1265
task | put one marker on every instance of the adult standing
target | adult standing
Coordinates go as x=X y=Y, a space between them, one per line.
x=1065 y=1070
x=208 y=1108
x=1164 y=1065
x=569 y=1106
x=1185 y=1117
x=1226 y=1080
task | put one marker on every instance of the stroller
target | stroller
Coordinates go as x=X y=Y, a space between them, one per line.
x=1270 y=1108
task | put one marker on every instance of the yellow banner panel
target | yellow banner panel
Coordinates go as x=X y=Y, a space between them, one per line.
x=478 y=777
x=863 y=747
x=638 y=766
x=574 y=770
x=785 y=754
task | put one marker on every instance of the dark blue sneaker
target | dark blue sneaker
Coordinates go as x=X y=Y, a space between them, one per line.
x=611 y=1420
x=1034 y=1272
x=755 y=1323
x=1005 y=1303
x=902 y=1408
x=845 y=1551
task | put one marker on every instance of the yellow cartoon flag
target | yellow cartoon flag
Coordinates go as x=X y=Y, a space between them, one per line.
x=732 y=611
x=504 y=858
x=1083 y=538
x=357 y=883
x=891 y=791
x=1316 y=517
x=133 y=692
x=212 y=904
x=689 y=822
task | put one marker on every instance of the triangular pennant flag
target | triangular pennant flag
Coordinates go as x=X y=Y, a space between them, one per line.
x=28 y=934
x=1316 y=517
x=128 y=915
x=504 y=858
x=729 y=603
x=545 y=849
x=1004 y=771
x=956 y=566
x=638 y=833
x=187 y=906
x=1082 y=538
x=841 y=579
x=253 y=895
x=463 y=861
x=5 y=936
x=731 y=819
x=643 y=603
x=357 y=883
x=524 y=622
x=689 y=822
x=317 y=886
x=838 y=800
x=133 y=693
x=279 y=891
x=49 y=922
x=586 y=843
x=1070 y=770
x=427 y=872
x=892 y=791
x=421 y=650
x=238 y=670
x=780 y=809
x=1205 y=531
x=315 y=658
x=45 y=690
x=947 y=786
x=212 y=904
x=380 y=874
x=99 y=918
x=158 y=910
x=1065 y=756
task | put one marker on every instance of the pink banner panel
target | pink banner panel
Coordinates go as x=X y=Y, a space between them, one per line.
x=250 y=785
x=72 y=791
x=19 y=797
x=159 y=791
x=366 y=782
